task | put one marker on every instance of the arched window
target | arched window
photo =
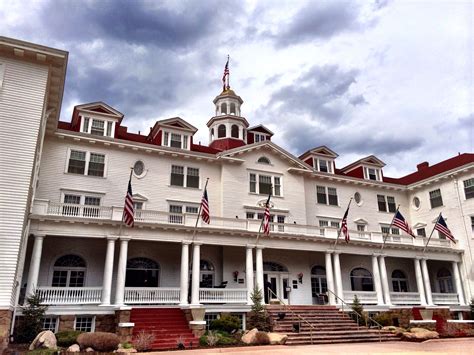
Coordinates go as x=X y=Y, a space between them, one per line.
x=212 y=133
x=274 y=267
x=399 y=281
x=234 y=131
x=224 y=108
x=318 y=281
x=69 y=271
x=361 y=280
x=207 y=273
x=263 y=160
x=142 y=272
x=232 y=109
x=445 y=281
x=221 y=131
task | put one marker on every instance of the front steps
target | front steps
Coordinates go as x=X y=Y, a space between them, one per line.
x=329 y=325
x=168 y=325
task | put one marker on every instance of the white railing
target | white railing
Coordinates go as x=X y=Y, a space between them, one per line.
x=399 y=239
x=365 y=297
x=439 y=242
x=445 y=298
x=151 y=295
x=223 y=295
x=69 y=295
x=405 y=297
x=360 y=235
x=73 y=210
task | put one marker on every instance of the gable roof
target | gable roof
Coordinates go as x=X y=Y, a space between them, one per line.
x=321 y=150
x=173 y=123
x=99 y=107
x=260 y=128
x=369 y=160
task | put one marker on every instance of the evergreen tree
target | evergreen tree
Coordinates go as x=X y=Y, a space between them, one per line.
x=472 y=309
x=358 y=309
x=32 y=321
x=258 y=317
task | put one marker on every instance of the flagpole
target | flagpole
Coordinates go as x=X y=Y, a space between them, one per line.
x=389 y=228
x=199 y=211
x=121 y=222
x=426 y=245
x=340 y=228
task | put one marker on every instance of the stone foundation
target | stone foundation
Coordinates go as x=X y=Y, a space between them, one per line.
x=105 y=323
x=5 y=324
x=125 y=333
x=66 y=322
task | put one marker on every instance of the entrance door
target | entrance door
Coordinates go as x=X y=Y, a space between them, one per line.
x=275 y=285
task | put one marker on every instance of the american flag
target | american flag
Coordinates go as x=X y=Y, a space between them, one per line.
x=128 y=209
x=226 y=73
x=344 y=228
x=400 y=222
x=206 y=217
x=442 y=227
x=266 y=217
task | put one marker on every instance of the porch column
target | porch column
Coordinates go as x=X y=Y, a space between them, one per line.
x=121 y=272
x=184 y=277
x=249 y=272
x=426 y=281
x=330 y=279
x=419 y=282
x=457 y=280
x=33 y=273
x=376 y=273
x=108 y=270
x=338 y=277
x=384 y=278
x=259 y=270
x=195 y=274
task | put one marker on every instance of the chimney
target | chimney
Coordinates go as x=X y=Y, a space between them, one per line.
x=423 y=166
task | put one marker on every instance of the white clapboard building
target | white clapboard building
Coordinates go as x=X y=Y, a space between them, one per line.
x=62 y=196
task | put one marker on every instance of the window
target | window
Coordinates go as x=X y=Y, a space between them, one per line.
x=81 y=205
x=259 y=137
x=224 y=108
x=232 y=109
x=142 y=272
x=358 y=198
x=50 y=323
x=175 y=140
x=209 y=318
x=81 y=162
x=361 y=227
x=192 y=178
x=207 y=272
x=472 y=223
x=323 y=165
x=275 y=267
x=97 y=127
x=435 y=198
x=176 y=214
x=234 y=131
x=326 y=196
x=469 y=188
x=265 y=184
x=361 y=280
x=318 y=281
x=416 y=203
x=372 y=174
x=399 y=281
x=69 y=271
x=178 y=177
x=192 y=209
x=221 y=131
x=250 y=215
x=393 y=231
x=109 y=129
x=138 y=168
x=386 y=204
x=445 y=281
x=84 y=324
x=263 y=160
x=421 y=232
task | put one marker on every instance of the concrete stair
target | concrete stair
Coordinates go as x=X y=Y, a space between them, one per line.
x=166 y=324
x=328 y=325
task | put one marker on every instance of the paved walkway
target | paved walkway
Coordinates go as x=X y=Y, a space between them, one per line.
x=442 y=346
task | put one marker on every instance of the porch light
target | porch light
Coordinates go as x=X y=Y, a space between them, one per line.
x=300 y=277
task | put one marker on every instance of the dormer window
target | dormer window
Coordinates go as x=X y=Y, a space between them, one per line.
x=175 y=140
x=323 y=165
x=259 y=137
x=97 y=127
x=372 y=174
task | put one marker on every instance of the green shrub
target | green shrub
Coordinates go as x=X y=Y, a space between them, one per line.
x=226 y=323
x=67 y=338
x=99 y=341
x=203 y=340
x=226 y=340
x=127 y=346
x=384 y=318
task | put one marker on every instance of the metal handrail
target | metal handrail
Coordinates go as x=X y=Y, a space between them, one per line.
x=295 y=314
x=359 y=315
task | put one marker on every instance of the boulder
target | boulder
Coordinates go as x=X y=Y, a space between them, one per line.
x=419 y=334
x=90 y=350
x=74 y=349
x=250 y=337
x=44 y=340
x=396 y=330
x=122 y=350
x=277 y=338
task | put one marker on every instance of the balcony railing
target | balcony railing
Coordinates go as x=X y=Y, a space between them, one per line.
x=69 y=295
x=151 y=295
x=365 y=297
x=445 y=298
x=223 y=295
x=73 y=210
x=405 y=298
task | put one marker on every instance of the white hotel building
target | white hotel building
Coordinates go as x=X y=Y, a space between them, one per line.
x=62 y=202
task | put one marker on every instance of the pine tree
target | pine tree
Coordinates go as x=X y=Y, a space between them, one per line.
x=32 y=321
x=358 y=309
x=258 y=317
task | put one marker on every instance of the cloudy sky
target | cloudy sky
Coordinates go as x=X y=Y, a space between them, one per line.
x=390 y=78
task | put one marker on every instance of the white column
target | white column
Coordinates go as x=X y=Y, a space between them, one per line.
x=457 y=280
x=196 y=271
x=330 y=279
x=33 y=273
x=108 y=271
x=426 y=281
x=338 y=277
x=376 y=273
x=384 y=279
x=419 y=282
x=249 y=272
x=259 y=269
x=121 y=272
x=184 y=278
